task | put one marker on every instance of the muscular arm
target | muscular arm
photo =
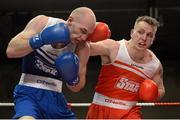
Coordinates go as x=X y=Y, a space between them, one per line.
x=83 y=53
x=99 y=48
x=19 y=45
x=107 y=49
x=158 y=78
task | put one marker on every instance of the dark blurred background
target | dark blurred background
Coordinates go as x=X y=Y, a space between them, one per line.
x=120 y=16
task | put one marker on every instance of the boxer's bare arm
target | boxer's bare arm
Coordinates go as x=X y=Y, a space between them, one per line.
x=107 y=49
x=102 y=48
x=158 y=78
x=19 y=45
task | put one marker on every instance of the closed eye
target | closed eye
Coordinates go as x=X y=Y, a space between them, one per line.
x=84 y=31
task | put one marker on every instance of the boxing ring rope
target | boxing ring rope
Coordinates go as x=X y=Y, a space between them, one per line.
x=137 y=104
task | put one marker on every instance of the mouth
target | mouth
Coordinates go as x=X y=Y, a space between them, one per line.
x=142 y=44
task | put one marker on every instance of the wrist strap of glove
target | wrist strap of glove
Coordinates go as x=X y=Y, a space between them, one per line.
x=74 y=83
x=35 y=42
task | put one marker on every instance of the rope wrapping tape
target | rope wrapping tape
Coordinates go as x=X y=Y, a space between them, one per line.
x=88 y=104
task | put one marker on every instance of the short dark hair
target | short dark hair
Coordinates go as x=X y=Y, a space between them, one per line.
x=150 y=20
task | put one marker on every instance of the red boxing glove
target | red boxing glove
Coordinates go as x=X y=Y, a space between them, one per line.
x=148 y=91
x=101 y=32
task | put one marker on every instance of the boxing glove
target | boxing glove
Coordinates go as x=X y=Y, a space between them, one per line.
x=67 y=64
x=58 y=33
x=101 y=32
x=148 y=91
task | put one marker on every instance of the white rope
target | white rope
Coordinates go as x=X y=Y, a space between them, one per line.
x=79 y=104
x=145 y=104
x=88 y=104
x=71 y=104
x=7 y=104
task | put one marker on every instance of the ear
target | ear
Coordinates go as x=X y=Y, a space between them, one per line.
x=132 y=31
x=69 y=20
x=153 y=40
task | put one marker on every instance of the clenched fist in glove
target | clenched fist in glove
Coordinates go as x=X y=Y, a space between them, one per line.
x=148 y=91
x=101 y=32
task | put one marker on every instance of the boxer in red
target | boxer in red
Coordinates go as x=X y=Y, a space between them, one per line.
x=130 y=72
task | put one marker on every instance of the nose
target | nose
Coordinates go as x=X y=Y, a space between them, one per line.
x=144 y=36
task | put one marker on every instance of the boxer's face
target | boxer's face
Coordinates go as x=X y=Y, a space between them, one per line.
x=80 y=29
x=79 y=32
x=143 y=35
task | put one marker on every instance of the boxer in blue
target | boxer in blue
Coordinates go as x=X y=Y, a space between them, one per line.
x=53 y=50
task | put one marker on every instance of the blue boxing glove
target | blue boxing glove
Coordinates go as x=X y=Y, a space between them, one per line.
x=58 y=33
x=67 y=65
